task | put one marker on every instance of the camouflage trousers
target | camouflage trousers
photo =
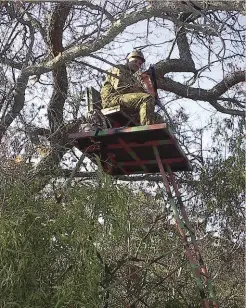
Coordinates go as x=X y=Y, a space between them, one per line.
x=143 y=102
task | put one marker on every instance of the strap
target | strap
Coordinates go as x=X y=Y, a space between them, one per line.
x=153 y=77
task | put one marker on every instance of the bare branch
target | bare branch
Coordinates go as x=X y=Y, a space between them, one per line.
x=240 y=104
x=10 y=62
x=187 y=6
x=222 y=109
x=133 y=178
x=116 y=28
x=97 y=8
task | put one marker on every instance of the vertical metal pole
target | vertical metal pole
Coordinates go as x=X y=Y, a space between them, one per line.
x=193 y=239
x=181 y=227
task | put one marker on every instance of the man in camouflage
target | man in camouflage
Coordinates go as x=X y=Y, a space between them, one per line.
x=125 y=90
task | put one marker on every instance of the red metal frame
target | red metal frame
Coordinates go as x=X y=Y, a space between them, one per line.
x=127 y=148
x=197 y=265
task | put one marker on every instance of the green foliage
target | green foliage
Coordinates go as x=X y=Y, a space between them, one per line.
x=47 y=256
x=217 y=208
x=108 y=243
x=59 y=255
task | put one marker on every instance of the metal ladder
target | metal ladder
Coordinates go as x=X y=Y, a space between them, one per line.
x=202 y=278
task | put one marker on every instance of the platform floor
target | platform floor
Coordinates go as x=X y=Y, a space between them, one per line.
x=124 y=151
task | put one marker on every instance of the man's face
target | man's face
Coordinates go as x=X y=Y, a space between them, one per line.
x=135 y=63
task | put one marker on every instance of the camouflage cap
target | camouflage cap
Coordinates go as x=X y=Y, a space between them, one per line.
x=136 y=54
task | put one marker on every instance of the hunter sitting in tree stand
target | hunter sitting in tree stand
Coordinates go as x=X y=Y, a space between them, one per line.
x=126 y=90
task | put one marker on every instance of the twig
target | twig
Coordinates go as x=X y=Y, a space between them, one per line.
x=68 y=182
x=139 y=270
x=158 y=284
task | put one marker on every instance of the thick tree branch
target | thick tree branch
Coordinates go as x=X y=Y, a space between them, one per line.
x=173 y=65
x=210 y=96
x=21 y=84
x=36 y=23
x=59 y=95
x=58 y=98
x=184 y=48
x=18 y=104
x=228 y=82
x=47 y=166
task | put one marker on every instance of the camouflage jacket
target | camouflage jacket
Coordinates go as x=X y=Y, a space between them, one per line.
x=125 y=83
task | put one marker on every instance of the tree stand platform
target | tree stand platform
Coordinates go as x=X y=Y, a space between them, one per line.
x=125 y=151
